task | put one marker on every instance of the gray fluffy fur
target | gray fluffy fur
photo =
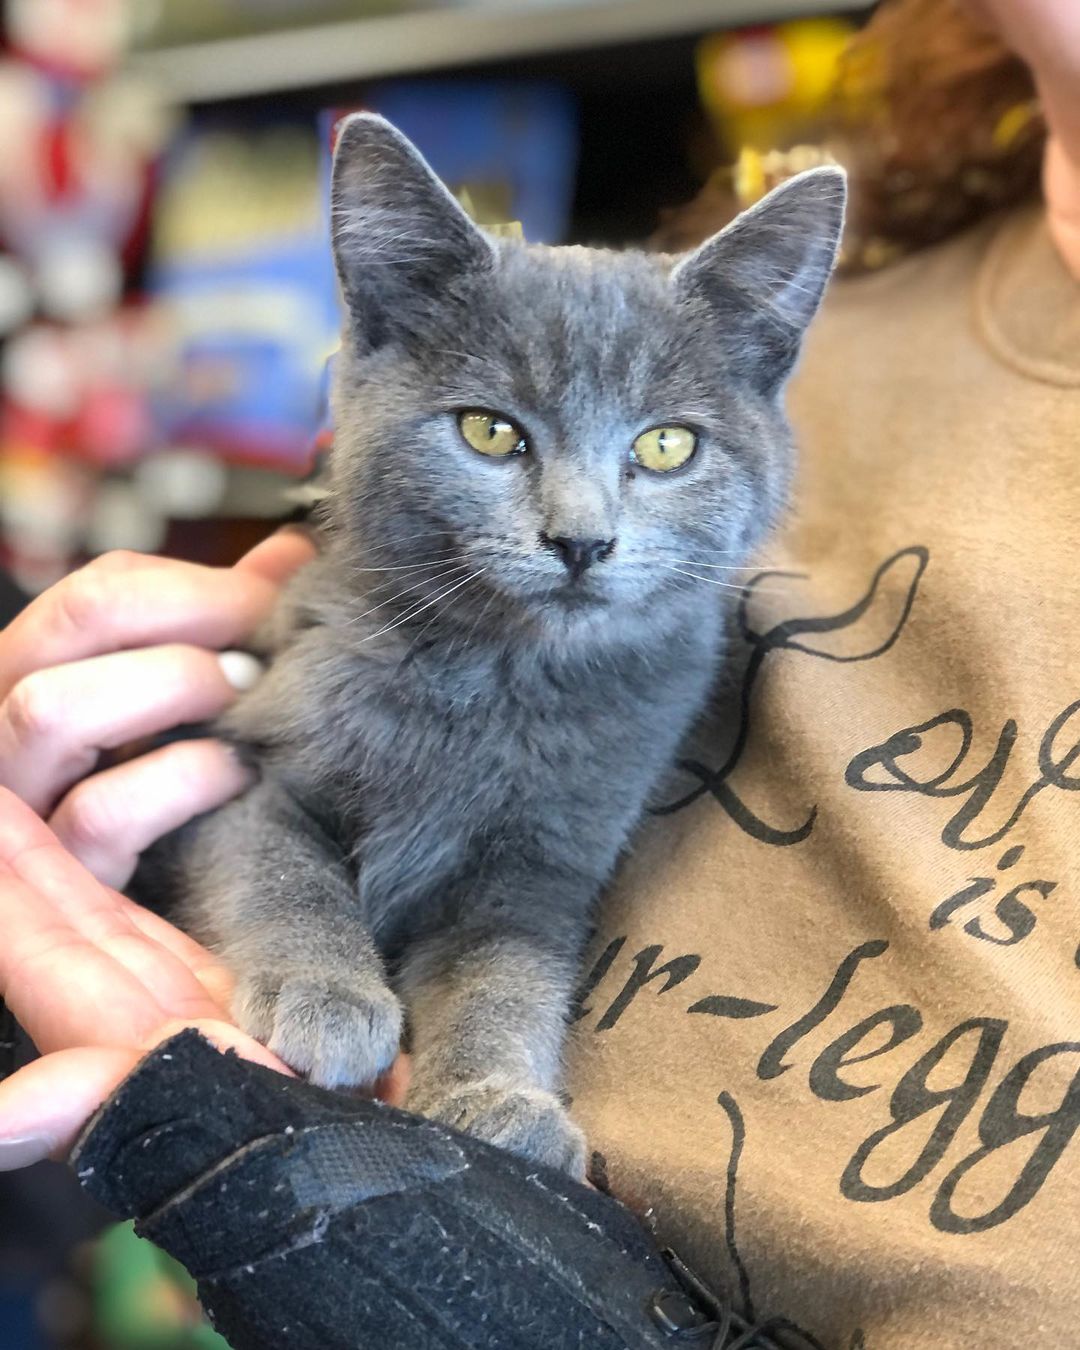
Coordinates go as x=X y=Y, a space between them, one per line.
x=454 y=737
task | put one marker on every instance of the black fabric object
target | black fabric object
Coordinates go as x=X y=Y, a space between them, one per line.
x=12 y=598
x=9 y=1040
x=317 y=1221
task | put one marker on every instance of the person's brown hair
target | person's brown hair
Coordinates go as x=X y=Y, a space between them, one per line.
x=936 y=121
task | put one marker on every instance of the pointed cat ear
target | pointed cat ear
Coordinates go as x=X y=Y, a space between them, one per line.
x=763 y=276
x=398 y=234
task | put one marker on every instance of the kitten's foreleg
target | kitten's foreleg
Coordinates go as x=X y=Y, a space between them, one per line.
x=270 y=891
x=487 y=1012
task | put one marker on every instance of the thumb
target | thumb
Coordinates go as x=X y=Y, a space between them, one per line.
x=45 y=1105
x=279 y=556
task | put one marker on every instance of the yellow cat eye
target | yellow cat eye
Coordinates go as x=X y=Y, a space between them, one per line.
x=491 y=434
x=664 y=448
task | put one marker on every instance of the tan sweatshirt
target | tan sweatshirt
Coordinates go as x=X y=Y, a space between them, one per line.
x=831 y=1034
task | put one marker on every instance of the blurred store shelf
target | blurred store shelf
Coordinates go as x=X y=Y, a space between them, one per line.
x=460 y=35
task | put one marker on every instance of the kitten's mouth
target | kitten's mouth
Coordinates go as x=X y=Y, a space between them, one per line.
x=575 y=595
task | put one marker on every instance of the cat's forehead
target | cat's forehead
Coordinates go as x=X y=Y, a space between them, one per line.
x=566 y=322
x=591 y=290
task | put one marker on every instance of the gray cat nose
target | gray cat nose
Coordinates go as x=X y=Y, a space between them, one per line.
x=578 y=554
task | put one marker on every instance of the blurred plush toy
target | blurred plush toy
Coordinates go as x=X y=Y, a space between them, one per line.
x=766 y=87
x=765 y=91
x=76 y=39
x=77 y=148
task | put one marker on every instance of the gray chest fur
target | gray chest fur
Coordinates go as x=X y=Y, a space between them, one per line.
x=434 y=763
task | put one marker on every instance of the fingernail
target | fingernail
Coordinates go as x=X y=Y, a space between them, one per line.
x=241 y=669
x=16 y=1153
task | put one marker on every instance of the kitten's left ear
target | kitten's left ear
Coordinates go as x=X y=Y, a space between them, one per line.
x=399 y=236
x=762 y=277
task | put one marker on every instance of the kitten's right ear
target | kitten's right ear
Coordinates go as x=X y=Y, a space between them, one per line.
x=398 y=234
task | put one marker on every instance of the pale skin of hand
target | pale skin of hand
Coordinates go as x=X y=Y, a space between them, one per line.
x=120 y=650
x=96 y=981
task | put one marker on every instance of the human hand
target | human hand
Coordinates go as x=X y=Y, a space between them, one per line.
x=96 y=981
x=127 y=647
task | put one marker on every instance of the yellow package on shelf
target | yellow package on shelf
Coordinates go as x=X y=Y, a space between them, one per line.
x=766 y=87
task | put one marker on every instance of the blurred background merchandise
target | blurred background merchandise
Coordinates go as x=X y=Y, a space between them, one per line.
x=167 y=305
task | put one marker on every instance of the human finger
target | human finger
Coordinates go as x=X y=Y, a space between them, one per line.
x=44 y=1107
x=393 y=1086
x=124 y=600
x=279 y=555
x=55 y=722
x=212 y=973
x=66 y=990
x=108 y=819
x=75 y=969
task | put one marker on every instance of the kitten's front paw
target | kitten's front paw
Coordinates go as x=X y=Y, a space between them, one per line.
x=527 y=1121
x=335 y=1036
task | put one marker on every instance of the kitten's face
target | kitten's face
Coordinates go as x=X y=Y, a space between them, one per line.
x=573 y=431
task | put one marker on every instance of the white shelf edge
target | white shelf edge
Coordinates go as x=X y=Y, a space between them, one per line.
x=373 y=48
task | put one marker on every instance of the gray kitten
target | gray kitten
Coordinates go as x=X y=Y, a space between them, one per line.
x=504 y=637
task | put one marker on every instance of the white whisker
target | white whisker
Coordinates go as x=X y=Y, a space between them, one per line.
x=412 y=567
x=381 y=604
x=710 y=581
x=727 y=585
x=419 y=609
x=718 y=567
x=399 y=539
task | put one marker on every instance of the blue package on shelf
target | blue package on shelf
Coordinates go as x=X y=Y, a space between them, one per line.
x=513 y=146
x=242 y=276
